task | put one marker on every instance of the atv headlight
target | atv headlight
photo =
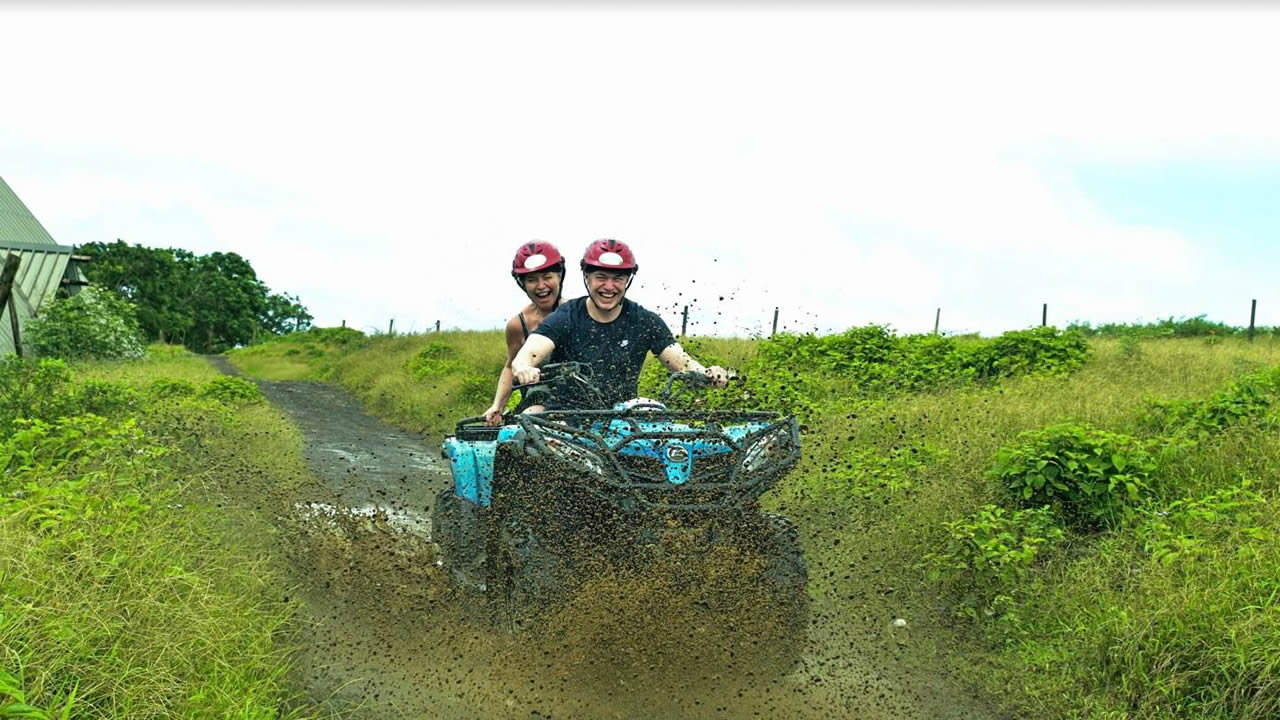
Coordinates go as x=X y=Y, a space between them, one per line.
x=767 y=449
x=576 y=455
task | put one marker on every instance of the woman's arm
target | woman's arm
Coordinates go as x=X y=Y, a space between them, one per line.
x=515 y=338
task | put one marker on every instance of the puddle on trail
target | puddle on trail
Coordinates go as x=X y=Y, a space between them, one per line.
x=389 y=639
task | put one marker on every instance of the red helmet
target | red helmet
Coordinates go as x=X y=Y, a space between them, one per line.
x=537 y=256
x=609 y=255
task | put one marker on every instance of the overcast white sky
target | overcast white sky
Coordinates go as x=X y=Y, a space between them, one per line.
x=847 y=165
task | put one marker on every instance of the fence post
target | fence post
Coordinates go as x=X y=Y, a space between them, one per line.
x=437 y=326
x=936 y=317
x=391 y=326
x=684 y=321
x=1253 y=314
x=775 y=323
x=344 y=323
x=1044 y=315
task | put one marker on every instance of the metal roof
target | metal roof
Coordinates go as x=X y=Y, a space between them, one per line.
x=45 y=267
x=39 y=277
x=17 y=224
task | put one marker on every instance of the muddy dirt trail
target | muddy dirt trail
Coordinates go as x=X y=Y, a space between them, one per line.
x=385 y=639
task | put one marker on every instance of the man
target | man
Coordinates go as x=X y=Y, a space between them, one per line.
x=538 y=268
x=606 y=331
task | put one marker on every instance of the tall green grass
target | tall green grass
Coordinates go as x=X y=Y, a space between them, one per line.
x=1169 y=612
x=124 y=590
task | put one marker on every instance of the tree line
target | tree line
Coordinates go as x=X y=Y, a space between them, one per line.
x=206 y=302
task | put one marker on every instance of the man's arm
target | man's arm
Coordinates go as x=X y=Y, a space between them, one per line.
x=677 y=359
x=534 y=352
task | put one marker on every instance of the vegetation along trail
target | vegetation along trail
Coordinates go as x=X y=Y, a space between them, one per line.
x=384 y=638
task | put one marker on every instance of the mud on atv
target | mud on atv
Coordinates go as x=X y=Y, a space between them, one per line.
x=540 y=502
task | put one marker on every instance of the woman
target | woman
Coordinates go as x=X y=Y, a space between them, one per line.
x=538 y=268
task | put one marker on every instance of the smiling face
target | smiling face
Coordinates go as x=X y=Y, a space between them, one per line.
x=607 y=288
x=543 y=288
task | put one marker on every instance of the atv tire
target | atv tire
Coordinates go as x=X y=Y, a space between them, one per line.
x=457 y=529
x=787 y=576
x=533 y=578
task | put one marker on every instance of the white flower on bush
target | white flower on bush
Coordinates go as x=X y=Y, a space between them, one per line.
x=92 y=324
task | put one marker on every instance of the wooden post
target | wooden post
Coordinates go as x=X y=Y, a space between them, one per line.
x=936 y=317
x=1253 y=314
x=437 y=326
x=344 y=323
x=775 y=322
x=13 y=322
x=391 y=326
x=684 y=321
x=1044 y=315
x=7 y=277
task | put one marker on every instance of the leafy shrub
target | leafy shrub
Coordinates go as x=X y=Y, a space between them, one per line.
x=79 y=454
x=166 y=387
x=106 y=398
x=435 y=360
x=1182 y=531
x=1129 y=347
x=231 y=390
x=92 y=324
x=476 y=390
x=1091 y=476
x=331 y=335
x=1248 y=398
x=1042 y=349
x=873 y=359
x=985 y=555
x=32 y=389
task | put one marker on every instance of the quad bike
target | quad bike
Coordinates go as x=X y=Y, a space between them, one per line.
x=537 y=503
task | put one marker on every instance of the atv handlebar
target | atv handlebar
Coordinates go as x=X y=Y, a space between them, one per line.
x=559 y=372
x=695 y=379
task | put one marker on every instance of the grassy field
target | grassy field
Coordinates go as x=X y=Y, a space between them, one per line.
x=127 y=587
x=1165 y=610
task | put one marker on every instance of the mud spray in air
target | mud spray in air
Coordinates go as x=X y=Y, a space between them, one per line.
x=386 y=636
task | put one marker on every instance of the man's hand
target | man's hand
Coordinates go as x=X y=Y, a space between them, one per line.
x=524 y=373
x=493 y=416
x=719 y=376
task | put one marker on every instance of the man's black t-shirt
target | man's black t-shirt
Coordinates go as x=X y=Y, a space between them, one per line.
x=615 y=350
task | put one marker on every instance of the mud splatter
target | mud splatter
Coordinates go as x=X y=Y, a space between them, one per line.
x=385 y=636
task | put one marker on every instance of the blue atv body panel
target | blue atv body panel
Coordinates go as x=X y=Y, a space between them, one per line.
x=472 y=461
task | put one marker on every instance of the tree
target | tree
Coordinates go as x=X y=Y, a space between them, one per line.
x=151 y=279
x=285 y=314
x=206 y=302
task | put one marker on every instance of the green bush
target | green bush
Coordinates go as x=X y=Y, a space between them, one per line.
x=476 y=390
x=231 y=390
x=1246 y=399
x=330 y=335
x=32 y=389
x=106 y=398
x=1042 y=349
x=167 y=387
x=1186 y=528
x=435 y=360
x=1090 y=476
x=873 y=359
x=92 y=324
x=1196 y=326
x=984 y=556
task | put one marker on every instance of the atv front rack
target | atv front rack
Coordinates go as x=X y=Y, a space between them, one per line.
x=719 y=481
